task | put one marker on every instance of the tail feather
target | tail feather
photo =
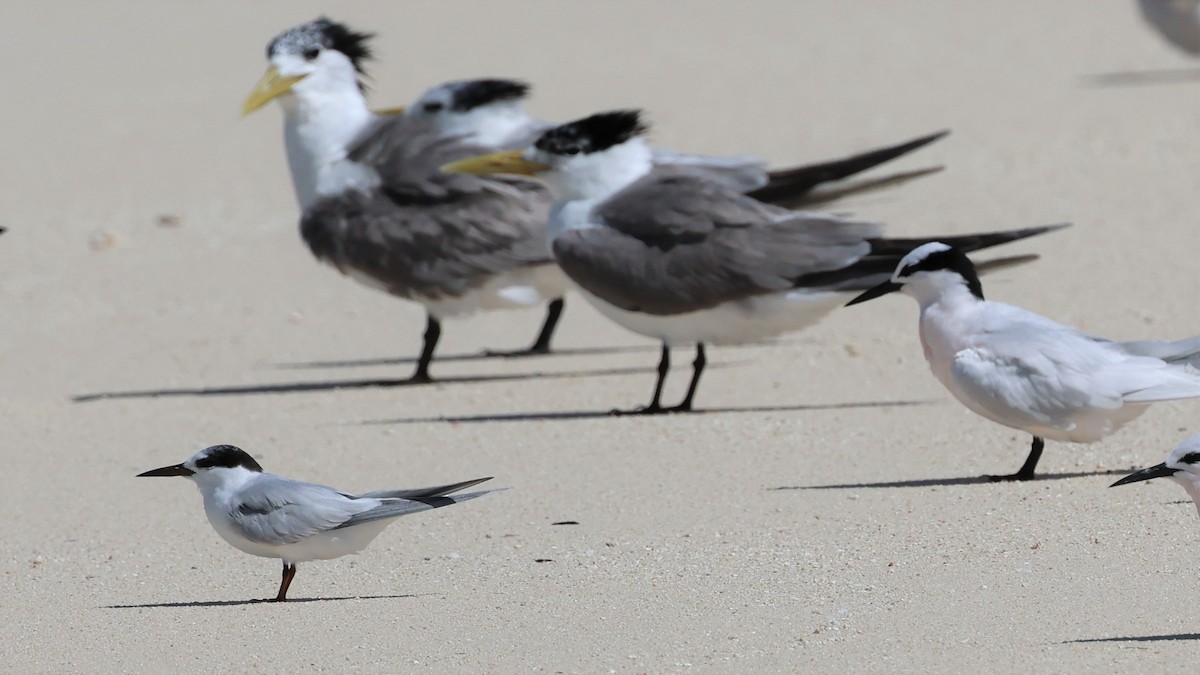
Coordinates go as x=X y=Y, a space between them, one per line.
x=394 y=508
x=788 y=184
x=424 y=493
x=1186 y=351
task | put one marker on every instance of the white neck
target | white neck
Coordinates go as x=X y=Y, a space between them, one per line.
x=599 y=175
x=218 y=485
x=494 y=126
x=317 y=131
x=945 y=289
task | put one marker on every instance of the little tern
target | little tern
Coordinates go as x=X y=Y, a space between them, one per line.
x=491 y=112
x=375 y=207
x=1025 y=371
x=1181 y=466
x=684 y=258
x=273 y=517
x=1177 y=21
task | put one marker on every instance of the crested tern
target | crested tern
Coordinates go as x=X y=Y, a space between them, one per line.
x=1025 y=371
x=375 y=207
x=1177 y=21
x=684 y=258
x=1181 y=466
x=491 y=112
x=274 y=517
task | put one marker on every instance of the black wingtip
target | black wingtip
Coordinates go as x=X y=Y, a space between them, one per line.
x=966 y=243
x=997 y=264
x=823 y=194
x=795 y=182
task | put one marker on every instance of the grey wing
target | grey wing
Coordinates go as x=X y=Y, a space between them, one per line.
x=423 y=232
x=1034 y=370
x=394 y=508
x=742 y=173
x=279 y=511
x=676 y=243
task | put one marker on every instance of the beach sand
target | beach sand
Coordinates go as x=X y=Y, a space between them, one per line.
x=821 y=513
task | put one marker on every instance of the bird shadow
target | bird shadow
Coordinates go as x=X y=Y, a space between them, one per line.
x=555 y=415
x=1128 y=78
x=255 y=601
x=331 y=385
x=1138 y=638
x=477 y=356
x=944 y=482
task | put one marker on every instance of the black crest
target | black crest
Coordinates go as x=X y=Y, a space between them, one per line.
x=323 y=33
x=948 y=259
x=470 y=94
x=592 y=134
x=227 y=456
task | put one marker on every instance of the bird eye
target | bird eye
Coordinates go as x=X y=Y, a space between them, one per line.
x=433 y=107
x=312 y=53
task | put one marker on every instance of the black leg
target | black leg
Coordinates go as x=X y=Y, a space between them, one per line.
x=697 y=368
x=542 y=345
x=655 y=407
x=289 y=571
x=433 y=331
x=553 y=312
x=1026 y=471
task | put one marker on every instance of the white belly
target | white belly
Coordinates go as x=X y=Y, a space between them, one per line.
x=322 y=546
x=743 y=321
x=525 y=287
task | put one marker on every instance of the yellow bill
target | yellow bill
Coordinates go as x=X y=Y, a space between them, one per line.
x=269 y=87
x=500 y=162
x=390 y=112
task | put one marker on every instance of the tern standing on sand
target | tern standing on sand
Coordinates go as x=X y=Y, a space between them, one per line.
x=1025 y=371
x=684 y=258
x=273 y=517
x=375 y=206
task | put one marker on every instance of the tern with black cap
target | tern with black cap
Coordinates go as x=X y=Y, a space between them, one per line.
x=684 y=258
x=1025 y=371
x=274 y=517
x=375 y=207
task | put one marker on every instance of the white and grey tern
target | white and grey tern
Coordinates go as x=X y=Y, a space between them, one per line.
x=375 y=207
x=274 y=517
x=1025 y=371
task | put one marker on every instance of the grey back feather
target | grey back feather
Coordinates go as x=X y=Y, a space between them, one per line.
x=677 y=241
x=425 y=233
x=280 y=511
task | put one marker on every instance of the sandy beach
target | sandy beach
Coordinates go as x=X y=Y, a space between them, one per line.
x=821 y=512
